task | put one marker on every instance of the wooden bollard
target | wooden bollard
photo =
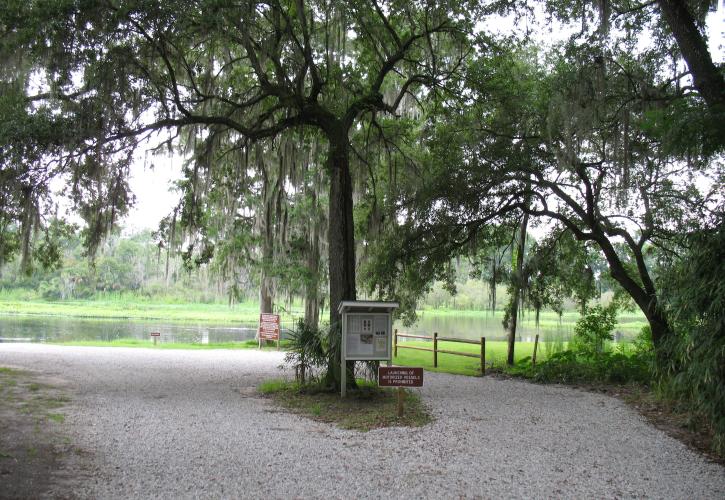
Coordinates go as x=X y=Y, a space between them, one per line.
x=536 y=346
x=401 y=398
x=435 y=349
x=395 y=343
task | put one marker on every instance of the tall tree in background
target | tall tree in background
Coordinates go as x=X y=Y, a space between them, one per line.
x=517 y=286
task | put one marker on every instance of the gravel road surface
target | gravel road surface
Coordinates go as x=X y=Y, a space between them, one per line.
x=189 y=424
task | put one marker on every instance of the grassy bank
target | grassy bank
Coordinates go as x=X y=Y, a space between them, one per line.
x=131 y=309
x=463 y=365
x=247 y=344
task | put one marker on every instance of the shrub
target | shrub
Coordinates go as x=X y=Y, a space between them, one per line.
x=312 y=352
x=570 y=367
x=306 y=350
x=593 y=329
x=694 y=374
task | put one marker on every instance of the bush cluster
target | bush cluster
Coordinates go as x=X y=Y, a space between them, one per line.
x=589 y=360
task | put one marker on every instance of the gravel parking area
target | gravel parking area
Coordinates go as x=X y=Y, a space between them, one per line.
x=189 y=424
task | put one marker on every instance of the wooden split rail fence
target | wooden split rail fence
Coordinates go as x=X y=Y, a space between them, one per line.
x=435 y=338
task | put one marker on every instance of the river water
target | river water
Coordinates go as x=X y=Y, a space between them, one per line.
x=36 y=328
x=16 y=328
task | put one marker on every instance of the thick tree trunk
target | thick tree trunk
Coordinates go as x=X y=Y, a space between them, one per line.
x=518 y=287
x=707 y=78
x=645 y=300
x=265 y=294
x=265 y=282
x=266 y=290
x=341 y=240
x=341 y=231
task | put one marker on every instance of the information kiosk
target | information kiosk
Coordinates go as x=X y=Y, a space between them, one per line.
x=367 y=333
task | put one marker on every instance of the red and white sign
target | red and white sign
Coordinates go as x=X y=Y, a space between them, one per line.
x=156 y=334
x=400 y=376
x=269 y=326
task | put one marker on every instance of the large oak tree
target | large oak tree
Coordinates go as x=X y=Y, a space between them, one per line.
x=116 y=72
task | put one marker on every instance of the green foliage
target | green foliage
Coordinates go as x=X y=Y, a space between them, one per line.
x=593 y=329
x=570 y=367
x=587 y=359
x=643 y=342
x=559 y=268
x=693 y=373
x=307 y=351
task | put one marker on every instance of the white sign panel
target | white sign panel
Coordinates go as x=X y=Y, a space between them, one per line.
x=367 y=336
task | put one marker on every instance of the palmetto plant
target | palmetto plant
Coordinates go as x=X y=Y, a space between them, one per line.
x=306 y=351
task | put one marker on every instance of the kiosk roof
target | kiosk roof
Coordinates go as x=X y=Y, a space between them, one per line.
x=369 y=306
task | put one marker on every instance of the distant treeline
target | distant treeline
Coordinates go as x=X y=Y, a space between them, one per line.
x=136 y=265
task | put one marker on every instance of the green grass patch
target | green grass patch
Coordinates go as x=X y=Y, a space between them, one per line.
x=131 y=342
x=463 y=365
x=134 y=308
x=56 y=417
x=368 y=407
x=276 y=385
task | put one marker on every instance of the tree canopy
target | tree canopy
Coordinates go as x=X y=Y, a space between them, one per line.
x=422 y=131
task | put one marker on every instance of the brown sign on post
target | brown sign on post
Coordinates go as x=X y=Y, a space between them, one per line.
x=269 y=326
x=399 y=376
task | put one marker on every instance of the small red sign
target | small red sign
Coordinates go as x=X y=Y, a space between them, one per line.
x=156 y=334
x=399 y=376
x=269 y=326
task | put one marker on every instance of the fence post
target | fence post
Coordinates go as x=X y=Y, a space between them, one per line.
x=483 y=356
x=536 y=345
x=395 y=343
x=435 y=349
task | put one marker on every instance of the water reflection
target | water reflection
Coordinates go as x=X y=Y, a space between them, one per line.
x=489 y=326
x=62 y=329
